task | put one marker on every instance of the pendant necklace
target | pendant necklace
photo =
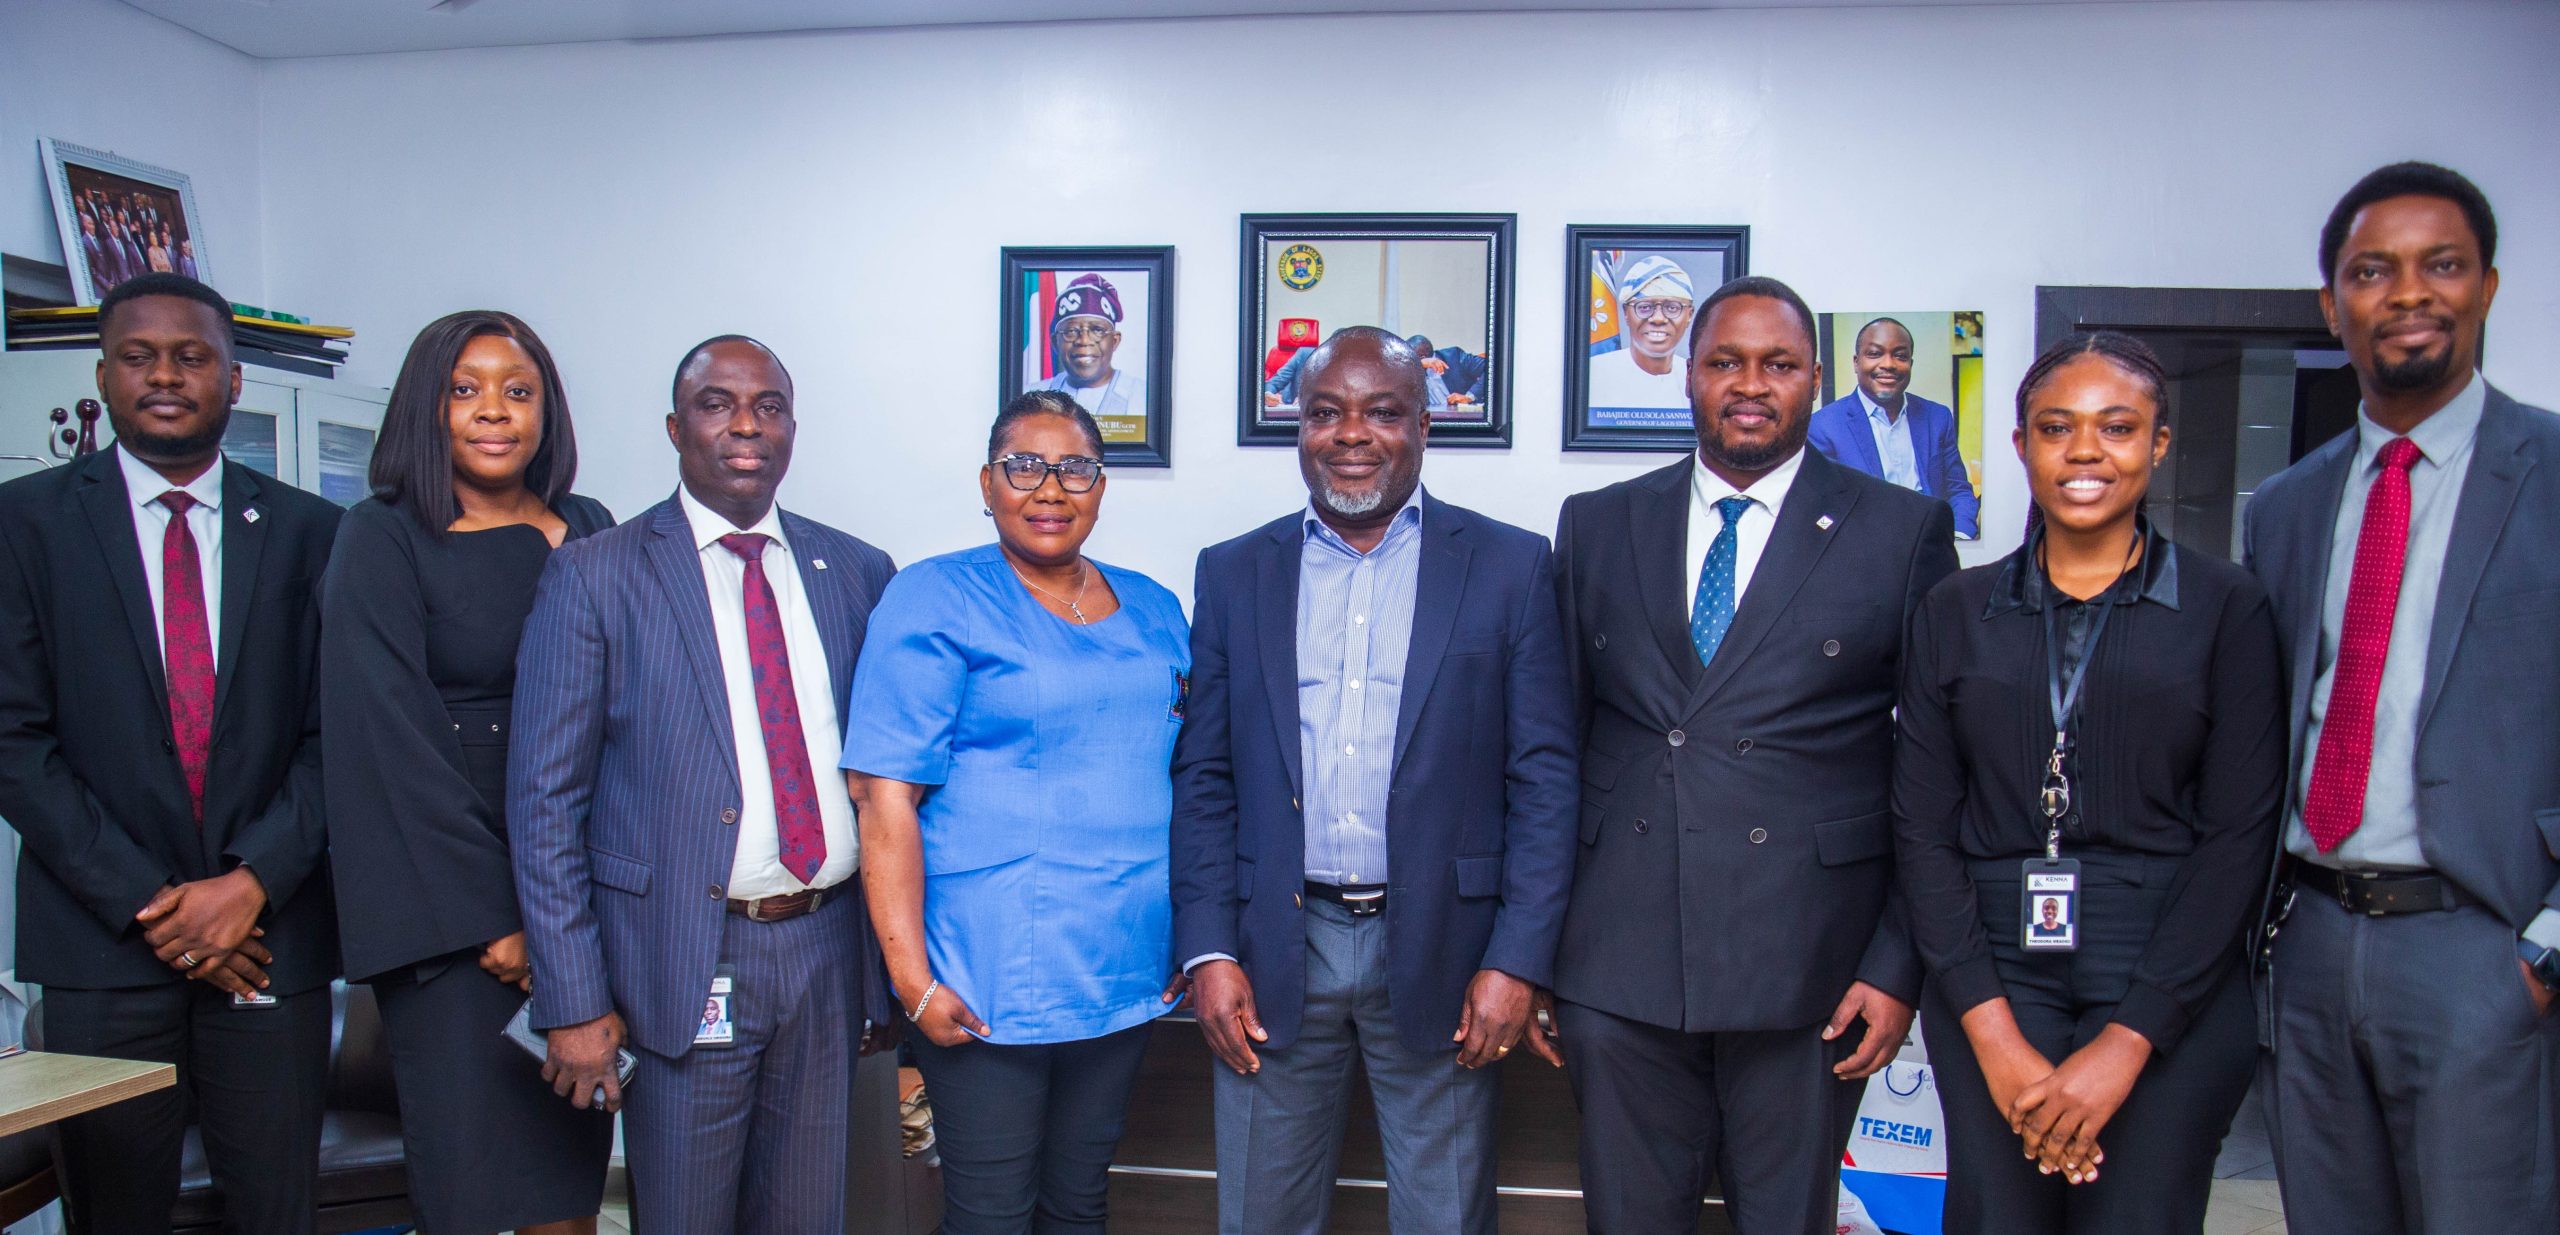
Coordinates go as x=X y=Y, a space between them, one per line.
x=1073 y=603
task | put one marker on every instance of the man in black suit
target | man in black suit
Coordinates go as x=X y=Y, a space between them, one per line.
x=1733 y=909
x=160 y=757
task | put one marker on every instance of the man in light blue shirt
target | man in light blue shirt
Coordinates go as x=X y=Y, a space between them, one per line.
x=1884 y=430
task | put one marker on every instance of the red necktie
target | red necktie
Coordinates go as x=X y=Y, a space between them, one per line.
x=2334 y=807
x=186 y=646
x=797 y=827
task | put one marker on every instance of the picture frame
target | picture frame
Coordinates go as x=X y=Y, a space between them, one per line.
x=1118 y=364
x=1930 y=360
x=1447 y=278
x=1613 y=398
x=107 y=207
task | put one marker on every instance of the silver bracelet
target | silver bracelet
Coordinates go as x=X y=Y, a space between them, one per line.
x=927 y=1001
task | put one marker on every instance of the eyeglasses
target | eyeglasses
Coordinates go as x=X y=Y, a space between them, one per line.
x=1081 y=333
x=1075 y=473
x=1669 y=310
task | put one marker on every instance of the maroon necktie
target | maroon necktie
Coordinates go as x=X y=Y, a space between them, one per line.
x=797 y=826
x=186 y=646
x=2334 y=807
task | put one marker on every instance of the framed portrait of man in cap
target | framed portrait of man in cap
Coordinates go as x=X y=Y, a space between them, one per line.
x=1631 y=295
x=1096 y=324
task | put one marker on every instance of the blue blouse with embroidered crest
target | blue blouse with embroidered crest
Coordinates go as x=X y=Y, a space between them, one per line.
x=1049 y=749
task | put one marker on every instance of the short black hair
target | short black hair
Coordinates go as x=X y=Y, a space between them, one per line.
x=1755 y=285
x=2126 y=352
x=675 y=387
x=1389 y=343
x=2412 y=179
x=1896 y=323
x=1032 y=403
x=162 y=283
x=413 y=457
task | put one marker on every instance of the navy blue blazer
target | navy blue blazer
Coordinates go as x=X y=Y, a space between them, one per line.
x=2489 y=711
x=1840 y=431
x=1480 y=820
x=622 y=782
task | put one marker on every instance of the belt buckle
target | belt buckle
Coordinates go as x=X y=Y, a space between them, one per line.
x=2355 y=892
x=1365 y=904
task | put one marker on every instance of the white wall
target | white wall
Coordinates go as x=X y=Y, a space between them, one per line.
x=98 y=74
x=843 y=197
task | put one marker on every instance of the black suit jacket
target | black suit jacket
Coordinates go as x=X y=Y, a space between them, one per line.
x=89 y=775
x=1736 y=865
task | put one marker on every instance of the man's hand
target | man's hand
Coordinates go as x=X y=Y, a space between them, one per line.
x=1490 y=1021
x=2059 y=1117
x=1543 y=1034
x=2541 y=995
x=201 y=922
x=242 y=971
x=1887 y=1018
x=1222 y=997
x=582 y=1061
x=505 y=959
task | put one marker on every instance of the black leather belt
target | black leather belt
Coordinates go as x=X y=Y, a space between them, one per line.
x=1361 y=899
x=2381 y=893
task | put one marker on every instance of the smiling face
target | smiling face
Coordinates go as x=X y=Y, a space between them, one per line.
x=1655 y=322
x=1361 y=426
x=1086 y=343
x=1046 y=526
x=732 y=429
x=2091 y=438
x=1751 y=384
x=2052 y=913
x=166 y=374
x=2410 y=295
x=1883 y=360
x=493 y=410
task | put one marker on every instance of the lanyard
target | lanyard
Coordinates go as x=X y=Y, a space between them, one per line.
x=2064 y=696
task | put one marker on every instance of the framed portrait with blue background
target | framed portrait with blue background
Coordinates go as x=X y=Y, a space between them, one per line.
x=1630 y=296
x=1096 y=324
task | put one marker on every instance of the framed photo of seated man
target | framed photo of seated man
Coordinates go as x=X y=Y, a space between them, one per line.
x=1631 y=296
x=1441 y=282
x=1098 y=325
x=1902 y=400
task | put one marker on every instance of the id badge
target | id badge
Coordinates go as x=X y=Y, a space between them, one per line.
x=2050 y=914
x=258 y=1000
x=717 y=1027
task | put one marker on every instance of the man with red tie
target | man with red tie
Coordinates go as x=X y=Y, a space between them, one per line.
x=159 y=757
x=681 y=840
x=2414 y=566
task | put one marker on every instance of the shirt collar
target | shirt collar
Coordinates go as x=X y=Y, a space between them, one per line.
x=1875 y=410
x=1707 y=488
x=144 y=486
x=2438 y=437
x=1408 y=516
x=2022 y=583
x=708 y=527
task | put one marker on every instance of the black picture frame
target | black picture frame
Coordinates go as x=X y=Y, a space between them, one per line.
x=1266 y=237
x=1142 y=436
x=1627 y=429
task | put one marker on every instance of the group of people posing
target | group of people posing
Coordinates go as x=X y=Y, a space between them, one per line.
x=1700 y=801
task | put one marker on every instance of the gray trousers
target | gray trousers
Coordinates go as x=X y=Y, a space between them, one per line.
x=750 y=1138
x=2413 y=1091
x=1280 y=1129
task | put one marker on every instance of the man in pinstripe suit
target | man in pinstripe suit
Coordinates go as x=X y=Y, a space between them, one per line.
x=679 y=832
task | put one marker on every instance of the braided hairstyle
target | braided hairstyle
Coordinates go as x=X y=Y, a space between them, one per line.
x=2130 y=355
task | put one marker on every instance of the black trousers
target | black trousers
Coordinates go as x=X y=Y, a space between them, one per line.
x=1027 y=1132
x=253 y=1079
x=2161 y=1144
x=1666 y=1113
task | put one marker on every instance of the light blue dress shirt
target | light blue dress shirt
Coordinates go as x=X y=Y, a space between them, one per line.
x=1047 y=836
x=1355 y=623
x=1893 y=441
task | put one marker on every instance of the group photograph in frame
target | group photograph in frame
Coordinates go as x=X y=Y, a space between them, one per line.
x=1902 y=400
x=1631 y=295
x=1096 y=324
x=119 y=218
x=1441 y=282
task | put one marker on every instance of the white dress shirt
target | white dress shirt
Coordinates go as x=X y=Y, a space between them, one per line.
x=1751 y=535
x=757 y=870
x=151 y=527
x=1893 y=441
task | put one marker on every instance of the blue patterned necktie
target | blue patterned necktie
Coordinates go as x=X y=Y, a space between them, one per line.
x=1712 y=613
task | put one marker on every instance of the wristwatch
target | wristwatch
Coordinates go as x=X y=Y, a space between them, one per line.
x=2544 y=962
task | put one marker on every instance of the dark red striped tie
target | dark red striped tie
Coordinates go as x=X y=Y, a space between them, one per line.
x=797 y=826
x=186 y=646
x=2334 y=807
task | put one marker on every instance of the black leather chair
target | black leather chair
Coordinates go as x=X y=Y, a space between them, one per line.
x=27 y=1181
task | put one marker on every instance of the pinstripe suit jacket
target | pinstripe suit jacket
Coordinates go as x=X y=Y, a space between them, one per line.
x=622 y=783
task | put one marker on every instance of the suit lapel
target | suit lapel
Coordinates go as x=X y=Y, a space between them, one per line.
x=1276 y=617
x=1658 y=523
x=1862 y=439
x=679 y=569
x=2311 y=535
x=1440 y=581
x=2500 y=460
x=829 y=587
x=1816 y=505
x=110 y=512
x=244 y=547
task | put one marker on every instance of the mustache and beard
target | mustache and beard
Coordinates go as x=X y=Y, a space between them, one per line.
x=2423 y=371
x=147 y=441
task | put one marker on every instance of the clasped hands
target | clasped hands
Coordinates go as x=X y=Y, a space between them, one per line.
x=2057 y=1111
x=208 y=930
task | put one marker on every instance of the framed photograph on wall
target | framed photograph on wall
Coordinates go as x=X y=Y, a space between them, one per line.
x=1629 y=296
x=1441 y=281
x=1098 y=325
x=119 y=218
x=1902 y=399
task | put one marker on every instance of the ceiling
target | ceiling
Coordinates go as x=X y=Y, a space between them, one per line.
x=293 y=28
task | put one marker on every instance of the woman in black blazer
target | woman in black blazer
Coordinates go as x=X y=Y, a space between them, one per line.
x=2067 y=1011
x=426 y=594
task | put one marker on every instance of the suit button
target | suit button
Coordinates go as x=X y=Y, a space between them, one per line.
x=1759 y=835
x=1742 y=747
x=1678 y=738
x=718 y=892
x=1642 y=827
x=1830 y=647
x=1599 y=643
x=728 y=814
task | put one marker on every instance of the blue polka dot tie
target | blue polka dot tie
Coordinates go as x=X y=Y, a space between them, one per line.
x=1712 y=613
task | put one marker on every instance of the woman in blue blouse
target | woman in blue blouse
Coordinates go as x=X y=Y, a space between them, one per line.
x=1011 y=743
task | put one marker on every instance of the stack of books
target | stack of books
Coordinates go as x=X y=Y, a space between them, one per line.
x=258 y=337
